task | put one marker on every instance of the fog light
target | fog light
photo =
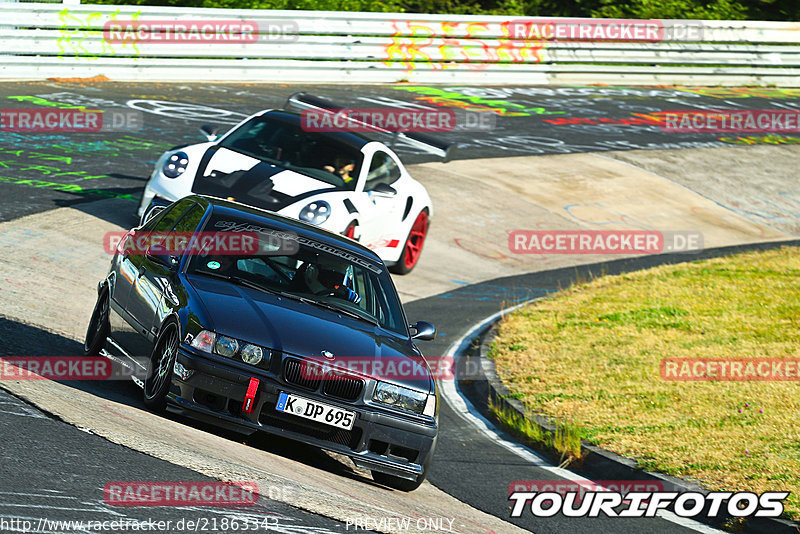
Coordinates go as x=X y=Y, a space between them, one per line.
x=182 y=372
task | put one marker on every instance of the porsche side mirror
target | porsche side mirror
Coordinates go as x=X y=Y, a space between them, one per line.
x=210 y=131
x=423 y=331
x=384 y=190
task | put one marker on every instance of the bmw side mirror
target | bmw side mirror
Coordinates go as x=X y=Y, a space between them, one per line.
x=155 y=254
x=210 y=131
x=423 y=331
x=149 y=215
x=384 y=190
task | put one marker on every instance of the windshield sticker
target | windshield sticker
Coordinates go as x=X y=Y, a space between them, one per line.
x=213 y=265
x=288 y=240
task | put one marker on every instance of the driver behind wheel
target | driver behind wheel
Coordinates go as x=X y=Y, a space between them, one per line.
x=322 y=280
x=342 y=167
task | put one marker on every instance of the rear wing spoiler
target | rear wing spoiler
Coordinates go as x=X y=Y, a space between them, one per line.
x=428 y=143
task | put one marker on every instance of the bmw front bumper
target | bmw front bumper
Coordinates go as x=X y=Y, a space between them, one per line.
x=215 y=391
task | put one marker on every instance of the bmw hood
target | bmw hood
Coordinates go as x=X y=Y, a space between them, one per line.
x=305 y=330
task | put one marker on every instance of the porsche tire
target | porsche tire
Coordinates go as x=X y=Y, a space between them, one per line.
x=412 y=248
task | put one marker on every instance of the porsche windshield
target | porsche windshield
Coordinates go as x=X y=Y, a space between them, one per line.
x=297 y=267
x=315 y=154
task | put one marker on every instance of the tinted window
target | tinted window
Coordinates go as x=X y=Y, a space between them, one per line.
x=303 y=268
x=382 y=170
x=165 y=221
x=190 y=220
x=280 y=143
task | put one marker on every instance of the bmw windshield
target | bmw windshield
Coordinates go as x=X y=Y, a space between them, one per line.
x=297 y=267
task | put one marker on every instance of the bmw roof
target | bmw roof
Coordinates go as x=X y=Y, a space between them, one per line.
x=279 y=222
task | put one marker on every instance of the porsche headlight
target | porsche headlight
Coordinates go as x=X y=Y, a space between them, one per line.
x=400 y=397
x=316 y=212
x=175 y=165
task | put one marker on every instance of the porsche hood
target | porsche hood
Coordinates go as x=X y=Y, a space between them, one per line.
x=230 y=175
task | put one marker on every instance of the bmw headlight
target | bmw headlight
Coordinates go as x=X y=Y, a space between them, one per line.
x=316 y=212
x=252 y=354
x=226 y=346
x=175 y=165
x=400 y=397
x=204 y=341
x=229 y=347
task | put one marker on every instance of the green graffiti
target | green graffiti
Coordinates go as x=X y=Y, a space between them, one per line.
x=50 y=170
x=32 y=154
x=37 y=101
x=761 y=140
x=743 y=92
x=78 y=30
x=454 y=99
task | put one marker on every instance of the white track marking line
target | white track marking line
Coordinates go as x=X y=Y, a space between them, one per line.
x=22 y=409
x=466 y=411
x=48 y=496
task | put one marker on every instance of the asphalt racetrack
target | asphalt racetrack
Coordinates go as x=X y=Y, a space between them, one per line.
x=526 y=121
x=552 y=156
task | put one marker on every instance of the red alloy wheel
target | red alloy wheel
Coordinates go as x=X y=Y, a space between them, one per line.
x=416 y=238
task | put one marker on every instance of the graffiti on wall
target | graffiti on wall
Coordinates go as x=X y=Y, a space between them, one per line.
x=81 y=35
x=447 y=45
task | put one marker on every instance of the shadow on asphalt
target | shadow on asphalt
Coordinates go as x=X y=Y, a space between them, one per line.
x=22 y=340
x=121 y=212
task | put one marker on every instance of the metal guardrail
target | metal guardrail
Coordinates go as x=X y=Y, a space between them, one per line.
x=39 y=40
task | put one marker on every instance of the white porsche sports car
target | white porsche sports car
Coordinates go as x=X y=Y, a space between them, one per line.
x=343 y=182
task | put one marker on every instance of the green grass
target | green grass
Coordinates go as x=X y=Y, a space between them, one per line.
x=590 y=356
x=565 y=440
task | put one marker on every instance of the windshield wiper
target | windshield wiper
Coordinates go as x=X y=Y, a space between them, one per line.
x=338 y=309
x=244 y=282
x=213 y=275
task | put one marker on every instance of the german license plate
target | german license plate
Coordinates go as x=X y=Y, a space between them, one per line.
x=316 y=411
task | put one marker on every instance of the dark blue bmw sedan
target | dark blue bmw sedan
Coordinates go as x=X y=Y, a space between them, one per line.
x=256 y=322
